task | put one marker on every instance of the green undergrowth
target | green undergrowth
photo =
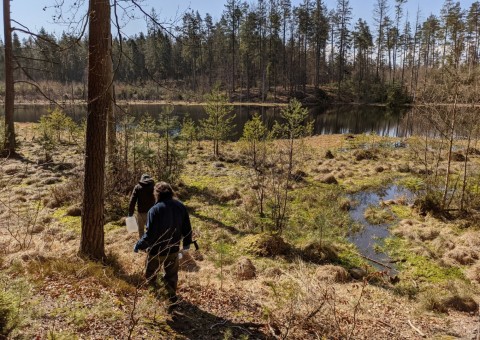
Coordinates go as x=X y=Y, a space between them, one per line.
x=348 y=257
x=73 y=223
x=420 y=268
x=198 y=183
x=18 y=307
x=412 y=183
x=354 y=185
x=402 y=211
x=316 y=214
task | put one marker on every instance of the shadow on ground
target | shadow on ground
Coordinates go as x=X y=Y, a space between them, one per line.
x=194 y=323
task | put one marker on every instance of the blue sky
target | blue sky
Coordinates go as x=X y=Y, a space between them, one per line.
x=31 y=13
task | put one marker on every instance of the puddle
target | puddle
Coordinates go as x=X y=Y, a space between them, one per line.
x=371 y=235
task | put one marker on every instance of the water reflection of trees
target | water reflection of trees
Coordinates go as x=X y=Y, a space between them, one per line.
x=359 y=119
x=336 y=119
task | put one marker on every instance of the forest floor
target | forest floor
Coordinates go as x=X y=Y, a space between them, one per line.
x=241 y=283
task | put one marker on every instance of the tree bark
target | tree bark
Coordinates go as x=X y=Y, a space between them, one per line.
x=9 y=142
x=99 y=103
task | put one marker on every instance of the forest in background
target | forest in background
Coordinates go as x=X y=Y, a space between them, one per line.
x=265 y=50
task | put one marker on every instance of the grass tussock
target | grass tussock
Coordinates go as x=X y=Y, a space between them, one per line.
x=377 y=215
x=65 y=194
x=266 y=245
x=452 y=296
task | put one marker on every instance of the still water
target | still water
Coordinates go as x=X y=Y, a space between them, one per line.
x=339 y=119
x=370 y=236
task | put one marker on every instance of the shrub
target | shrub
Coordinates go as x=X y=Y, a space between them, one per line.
x=52 y=128
x=430 y=203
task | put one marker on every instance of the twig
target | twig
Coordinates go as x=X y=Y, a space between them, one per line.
x=375 y=261
x=416 y=329
x=219 y=324
x=386 y=325
x=312 y=314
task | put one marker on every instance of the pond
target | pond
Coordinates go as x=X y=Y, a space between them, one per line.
x=338 y=119
x=370 y=237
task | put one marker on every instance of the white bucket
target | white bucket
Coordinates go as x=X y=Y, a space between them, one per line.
x=132 y=226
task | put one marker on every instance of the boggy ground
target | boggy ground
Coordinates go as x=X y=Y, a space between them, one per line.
x=241 y=284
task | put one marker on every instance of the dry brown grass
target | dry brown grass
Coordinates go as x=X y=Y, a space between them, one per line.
x=245 y=270
x=461 y=255
x=332 y=273
x=291 y=300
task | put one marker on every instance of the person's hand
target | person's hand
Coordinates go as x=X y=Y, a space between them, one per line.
x=135 y=248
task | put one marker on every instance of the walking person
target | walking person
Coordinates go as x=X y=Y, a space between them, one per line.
x=142 y=196
x=168 y=223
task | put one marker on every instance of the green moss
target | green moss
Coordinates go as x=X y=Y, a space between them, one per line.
x=348 y=257
x=112 y=226
x=419 y=267
x=402 y=211
x=70 y=222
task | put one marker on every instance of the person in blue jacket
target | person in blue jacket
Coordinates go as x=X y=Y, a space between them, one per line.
x=168 y=223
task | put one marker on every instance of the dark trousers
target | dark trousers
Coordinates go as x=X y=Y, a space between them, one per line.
x=170 y=266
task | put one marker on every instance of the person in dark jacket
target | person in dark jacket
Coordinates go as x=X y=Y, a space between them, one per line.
x=143 y=197
x=168 y=223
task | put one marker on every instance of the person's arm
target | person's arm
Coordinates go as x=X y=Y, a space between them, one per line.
x=133 y=202
x=186 y=231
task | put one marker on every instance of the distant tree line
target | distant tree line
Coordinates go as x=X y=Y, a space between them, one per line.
x=259 y=49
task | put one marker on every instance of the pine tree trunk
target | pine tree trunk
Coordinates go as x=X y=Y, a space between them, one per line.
x=99 y=103
x=9 y=142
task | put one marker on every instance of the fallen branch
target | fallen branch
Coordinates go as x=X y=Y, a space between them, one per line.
x=386 y=325
x=417 y=330
x=375 y=261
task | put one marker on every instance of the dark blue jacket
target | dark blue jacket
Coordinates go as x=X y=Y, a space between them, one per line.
x=167 y=223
